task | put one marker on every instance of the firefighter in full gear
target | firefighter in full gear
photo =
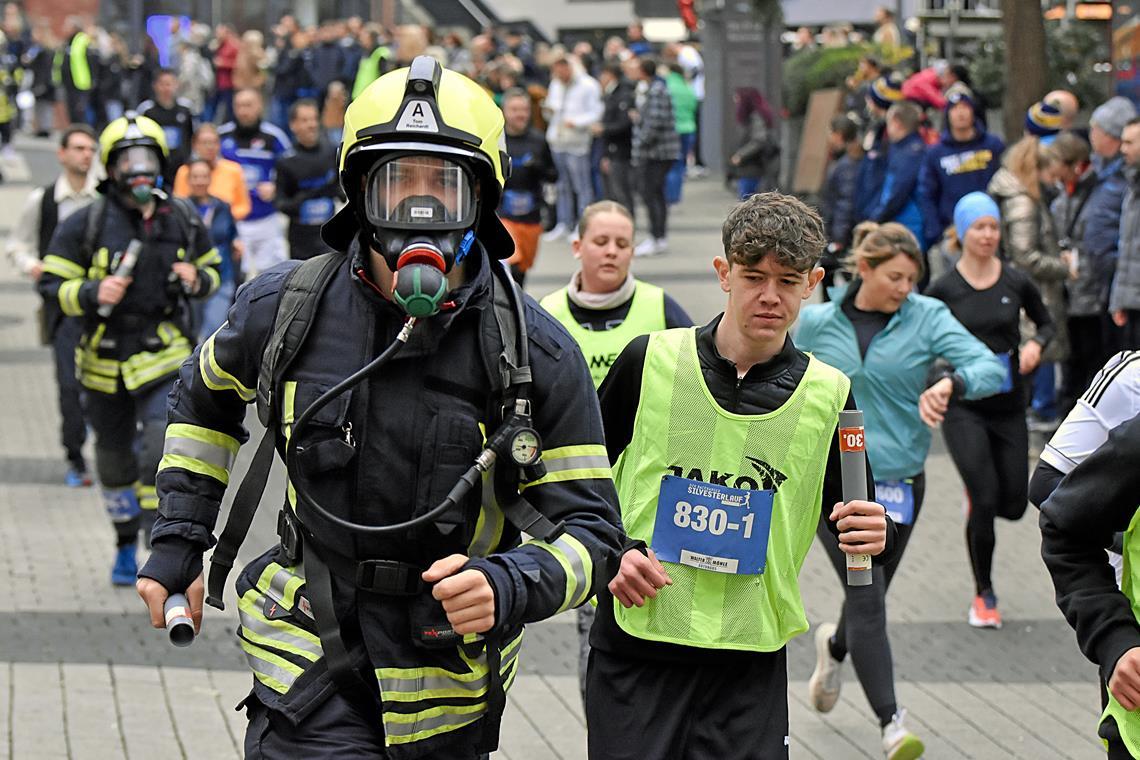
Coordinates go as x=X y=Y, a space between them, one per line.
x=427 y=413
x=127 y=264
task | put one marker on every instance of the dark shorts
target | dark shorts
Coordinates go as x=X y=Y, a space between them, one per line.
x=667 y=710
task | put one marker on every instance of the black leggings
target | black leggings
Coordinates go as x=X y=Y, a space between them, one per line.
x=991 y=452
x=863 y=617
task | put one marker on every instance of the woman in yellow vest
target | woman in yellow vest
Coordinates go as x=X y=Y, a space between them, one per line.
x=725 y=446
x=604 y=308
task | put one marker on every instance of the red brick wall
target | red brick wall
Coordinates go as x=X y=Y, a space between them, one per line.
x=58 y=10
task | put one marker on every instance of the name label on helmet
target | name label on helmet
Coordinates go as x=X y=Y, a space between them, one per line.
x=418 y=116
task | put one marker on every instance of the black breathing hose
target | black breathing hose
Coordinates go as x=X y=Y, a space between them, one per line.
x=466 y=482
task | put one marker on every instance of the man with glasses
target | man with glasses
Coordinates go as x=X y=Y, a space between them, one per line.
x=44 y=209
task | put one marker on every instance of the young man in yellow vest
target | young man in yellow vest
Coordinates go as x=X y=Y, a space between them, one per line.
x=725 y=445
x=1097 y=499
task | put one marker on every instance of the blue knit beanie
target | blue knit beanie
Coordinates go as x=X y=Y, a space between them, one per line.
x=972 y=207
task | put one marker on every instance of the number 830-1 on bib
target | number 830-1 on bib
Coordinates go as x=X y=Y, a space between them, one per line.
x=712 y=527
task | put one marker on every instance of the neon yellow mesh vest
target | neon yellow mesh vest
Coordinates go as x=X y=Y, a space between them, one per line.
x=1129 y=722
x=681 y=430
x=601 y=348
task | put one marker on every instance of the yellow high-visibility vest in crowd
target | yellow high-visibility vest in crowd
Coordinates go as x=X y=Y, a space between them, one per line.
x=601 y=347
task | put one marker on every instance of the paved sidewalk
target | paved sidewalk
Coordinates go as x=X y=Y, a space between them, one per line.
x=83 y=676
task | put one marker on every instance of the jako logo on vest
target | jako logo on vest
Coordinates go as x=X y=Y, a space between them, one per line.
x=770 y=479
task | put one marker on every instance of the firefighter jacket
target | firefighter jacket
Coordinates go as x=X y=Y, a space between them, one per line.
x=145 y=338
x=389 y=449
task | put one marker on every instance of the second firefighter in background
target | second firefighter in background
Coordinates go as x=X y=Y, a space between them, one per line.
x=136 y=324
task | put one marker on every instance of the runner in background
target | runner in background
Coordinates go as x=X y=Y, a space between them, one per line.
x=604 y=308
x=887 y=338
x=532 y=166
x=987 y=438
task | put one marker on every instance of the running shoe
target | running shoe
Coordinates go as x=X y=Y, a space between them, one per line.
x=984 y=612
x=126 y=568
x=76 y=478
x=898 y=741
x=824 y=684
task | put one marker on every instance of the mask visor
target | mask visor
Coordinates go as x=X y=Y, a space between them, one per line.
x=419 y=192
x=137 y=160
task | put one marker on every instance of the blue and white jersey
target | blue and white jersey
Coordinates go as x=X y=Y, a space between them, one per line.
x=257 y=153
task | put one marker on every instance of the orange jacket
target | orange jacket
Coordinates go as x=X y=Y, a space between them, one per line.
x=226 y=183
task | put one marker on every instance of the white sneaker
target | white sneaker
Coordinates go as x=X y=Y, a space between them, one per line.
x=825 y=681
x=557 y=232
x=661 y=245
x=647 y=247
x=898 y=742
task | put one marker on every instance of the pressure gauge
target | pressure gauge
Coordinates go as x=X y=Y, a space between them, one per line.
x=526 y=447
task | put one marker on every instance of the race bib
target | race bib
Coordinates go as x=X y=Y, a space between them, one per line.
x=173 y=137
x=712 y=527
x=897 y=497
x=518 y=202
x=316 y=211
x=1007 y=364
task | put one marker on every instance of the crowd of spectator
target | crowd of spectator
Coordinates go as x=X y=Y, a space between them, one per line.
x=251 y=121
x=1068 y=198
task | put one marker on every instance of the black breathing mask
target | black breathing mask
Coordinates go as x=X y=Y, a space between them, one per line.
x=421 y=212
x=137 y=173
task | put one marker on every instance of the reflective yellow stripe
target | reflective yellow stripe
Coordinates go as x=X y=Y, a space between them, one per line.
x=69 y=297
x=214 y=279
x=280 y=582
x=167 y=333
x=201 y=450
x=208 y=259
x=197 y=466
x=147 y=495
x=400 y=728
x=102 y=385
x=216 y=378
x=580 y=450
x=272 y=670
x=147 y=367
x=409 y=685
x=99 y=264
x=65 y=268
x=571 y=554
x=489 y=526
x=581 y=462
x=279 y=634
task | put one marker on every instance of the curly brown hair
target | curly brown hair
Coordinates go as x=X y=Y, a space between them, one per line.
x=777 y=224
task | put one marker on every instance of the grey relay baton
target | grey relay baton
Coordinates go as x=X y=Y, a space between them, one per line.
x=853 y=465
x=179 y=626
x=125 y=268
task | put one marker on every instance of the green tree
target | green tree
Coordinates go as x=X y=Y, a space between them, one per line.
x=1071 y=51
